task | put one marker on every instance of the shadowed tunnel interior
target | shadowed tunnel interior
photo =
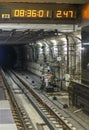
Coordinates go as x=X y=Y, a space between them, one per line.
x=13 y=45
x=8 y=56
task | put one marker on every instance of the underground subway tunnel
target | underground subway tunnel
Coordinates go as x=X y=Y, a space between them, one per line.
x=11 y=56
x=17 y=48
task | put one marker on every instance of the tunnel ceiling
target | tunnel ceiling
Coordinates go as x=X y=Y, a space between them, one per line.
x=26 y=33
x=24 y=37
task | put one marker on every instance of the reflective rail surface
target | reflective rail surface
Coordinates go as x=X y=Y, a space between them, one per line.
x=19 y=114
x=50 y=115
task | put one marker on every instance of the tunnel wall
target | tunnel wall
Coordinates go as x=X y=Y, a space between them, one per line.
x=63 y=57
x=34 y=68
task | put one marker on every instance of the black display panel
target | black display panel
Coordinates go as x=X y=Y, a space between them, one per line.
x=40 y=13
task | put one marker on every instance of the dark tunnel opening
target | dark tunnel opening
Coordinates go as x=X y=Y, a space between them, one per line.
x=8 y=56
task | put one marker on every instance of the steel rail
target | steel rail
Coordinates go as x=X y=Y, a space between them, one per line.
x=80 y=123
x=25 y=124
x=42 y=106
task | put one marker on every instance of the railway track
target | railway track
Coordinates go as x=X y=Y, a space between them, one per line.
x=78 y=119
x=19 y=114
x=51 y=116
x=48 y=112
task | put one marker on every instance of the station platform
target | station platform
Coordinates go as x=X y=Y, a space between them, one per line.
x=6 y=118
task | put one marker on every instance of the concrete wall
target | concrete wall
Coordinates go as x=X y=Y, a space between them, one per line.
x=34 y=68
x=64 y=68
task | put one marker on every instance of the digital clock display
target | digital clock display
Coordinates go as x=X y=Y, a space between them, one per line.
x=64 y=14
x=51 y=13
x=31 y=13
x=34 y=13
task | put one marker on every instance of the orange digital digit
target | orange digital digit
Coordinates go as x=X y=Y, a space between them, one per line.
x=71 y=13
x=22 y=13
x=59 y=14
x=29 y=13
x=41 y=13
x=66 y=14
x=34 y=13
x=48 y=13
x=16 y=13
